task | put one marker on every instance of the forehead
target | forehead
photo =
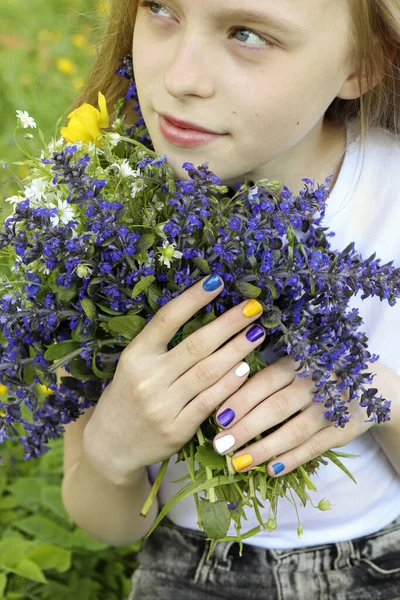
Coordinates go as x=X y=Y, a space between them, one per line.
x=300 y=15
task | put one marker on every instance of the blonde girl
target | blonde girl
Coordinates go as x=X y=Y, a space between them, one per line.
x=284 y=90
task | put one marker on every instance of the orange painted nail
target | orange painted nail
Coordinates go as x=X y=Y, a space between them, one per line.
x=242 y=461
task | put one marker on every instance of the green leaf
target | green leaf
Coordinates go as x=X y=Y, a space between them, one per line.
x=27 y=490
x=80 y=539
x=64 y=295
x=3 y=583
x=52 y=500
x=272 y=318
x=57 y=351
x=142 y=285
x=45 y=530
x=29 y=570
x=247 y=289
x=307 y=480
x=91 y=289
x=80 y=370
x=272 y=287
x=13 y=550
x=202 y=265
x=49 y=556
x=129 y=327
x=108 y=310
x=106 y=374
x=195 y=324
x=333 y=457
x=200 y=484
x=145 y=242
x=215 y=517
x=153 y=293
x=207 y=457
x=89 y=308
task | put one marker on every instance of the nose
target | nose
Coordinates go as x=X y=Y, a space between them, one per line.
x=189 y=71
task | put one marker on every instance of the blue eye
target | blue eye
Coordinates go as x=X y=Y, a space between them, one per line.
x=150 y=5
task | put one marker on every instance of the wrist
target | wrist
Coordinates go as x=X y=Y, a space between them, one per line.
x=99 y=456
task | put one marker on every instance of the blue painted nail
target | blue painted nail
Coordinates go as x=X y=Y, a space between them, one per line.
x=212 y=283
x=255 y=333
x=278 y=467
x=226 y=417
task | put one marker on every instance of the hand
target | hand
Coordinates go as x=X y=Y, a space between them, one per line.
x=158 y=398
x=272 y=396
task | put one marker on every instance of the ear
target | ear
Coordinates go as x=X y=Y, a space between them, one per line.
x=351 y=88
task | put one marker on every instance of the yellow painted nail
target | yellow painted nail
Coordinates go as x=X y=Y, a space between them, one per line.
x=252 y=308
x=242 y=461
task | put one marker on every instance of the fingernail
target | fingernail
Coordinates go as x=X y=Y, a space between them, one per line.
x=242 y=461
x=226 y=417
x=242 y=370
x=252 y=308
x=255 y=333
x=223 y=444
x=212 y=283
x=278 y=467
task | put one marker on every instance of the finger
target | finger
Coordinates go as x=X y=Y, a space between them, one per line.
x=205 y=404
x=160 y=330
x=208 y=380
x=267 y=415
x=325 y=437
x=274 y=379
x=203 y=342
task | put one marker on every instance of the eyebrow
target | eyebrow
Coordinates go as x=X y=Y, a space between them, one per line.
x=264 y=19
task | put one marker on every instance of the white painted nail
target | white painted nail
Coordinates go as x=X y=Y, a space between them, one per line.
x=242 y=370
x=224 y=443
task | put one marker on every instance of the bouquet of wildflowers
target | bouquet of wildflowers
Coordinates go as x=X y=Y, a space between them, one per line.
x=102 y=236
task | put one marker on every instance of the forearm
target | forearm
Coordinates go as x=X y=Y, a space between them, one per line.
x=388 y=434
x=106 y=511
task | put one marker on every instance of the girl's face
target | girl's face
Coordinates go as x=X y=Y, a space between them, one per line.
x=265 y=84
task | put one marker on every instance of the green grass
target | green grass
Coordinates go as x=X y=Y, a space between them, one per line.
x=34 y=36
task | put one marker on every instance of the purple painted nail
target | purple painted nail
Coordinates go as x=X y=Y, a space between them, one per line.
x=226 y=417
x=255 y=333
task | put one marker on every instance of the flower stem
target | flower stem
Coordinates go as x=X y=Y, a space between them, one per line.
x=209 y=473
x=154 y=490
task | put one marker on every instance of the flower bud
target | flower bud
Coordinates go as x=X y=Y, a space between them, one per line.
x=299 y=531
x=324 y=505
x=271 y=524
x=83 y=271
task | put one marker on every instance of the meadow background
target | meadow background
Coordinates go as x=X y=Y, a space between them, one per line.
x=46 y=50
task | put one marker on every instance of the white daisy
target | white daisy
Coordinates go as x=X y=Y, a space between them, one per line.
x=167 y=253
x=113 y=138
x=25 y=120
x=65 y=212
x=37 y=189
x=135 y=188
x=55 y=145
x=14 y=199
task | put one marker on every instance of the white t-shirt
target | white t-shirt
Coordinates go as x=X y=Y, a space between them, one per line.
x=370 y=217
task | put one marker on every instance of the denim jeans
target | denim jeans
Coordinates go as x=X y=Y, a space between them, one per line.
x=172 y=565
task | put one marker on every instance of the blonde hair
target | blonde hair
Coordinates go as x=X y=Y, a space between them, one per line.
x=376 y=23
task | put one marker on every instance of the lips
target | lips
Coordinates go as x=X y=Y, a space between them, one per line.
x=187 y=124
x=185 y=138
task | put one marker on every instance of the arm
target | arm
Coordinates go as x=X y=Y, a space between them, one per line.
x=107 y=511
x=103 y=504
x=387 y=381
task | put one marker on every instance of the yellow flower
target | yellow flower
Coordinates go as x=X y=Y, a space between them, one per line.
x=78 y=83
x=43 y=389
x=65 y=65
x=86 y=121
x=79 y=40
x=3 y=389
